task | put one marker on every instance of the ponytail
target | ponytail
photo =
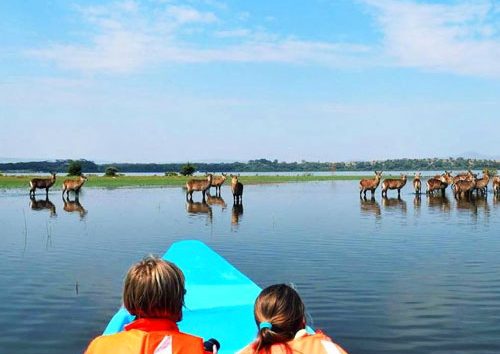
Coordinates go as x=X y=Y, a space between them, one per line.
x=279 y=314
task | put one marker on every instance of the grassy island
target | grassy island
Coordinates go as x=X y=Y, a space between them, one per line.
x=170 y=181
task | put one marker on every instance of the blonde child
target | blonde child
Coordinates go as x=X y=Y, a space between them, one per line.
x=154 y=293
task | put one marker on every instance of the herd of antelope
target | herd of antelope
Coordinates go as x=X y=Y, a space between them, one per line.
x=204 y=185
x=463 y=184
x=192 y=185
x=69 y=185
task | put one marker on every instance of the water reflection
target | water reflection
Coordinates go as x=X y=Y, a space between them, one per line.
x=466 y=205
x=496 y=200
x=216 y=200
x=43 y=204
x=199 y=208
x=417 y=201
x=369 y=206
x=236 y=214
x=482 y=204
x=440 y=202
x=74 y=206
x=394 y=203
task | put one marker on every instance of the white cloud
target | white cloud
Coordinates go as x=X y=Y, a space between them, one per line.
x=185 y=14
x=127 y=38
x=460 y=38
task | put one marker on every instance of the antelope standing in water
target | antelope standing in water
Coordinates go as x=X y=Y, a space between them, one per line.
x=42 y=183
x=417 y=183
x=237 y=189
x=439 y=182
x=496 y=185
x=200 y=185
x=73 y=185
x=393 y=183
x=217 y=182
x=43 y=204
x=369 y=184
x=482 y=183
x=464 y=187
x=466 y=176
x=74 y=206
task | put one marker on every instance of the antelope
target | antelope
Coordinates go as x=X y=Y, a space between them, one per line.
x=216 y=201
x=482 y=183
x=73 y=185
x=467 y=176
x=200 y=185
x=43 y=204
x=440 y=183
x=464 y=187
x=417 y=184
x=391 y=183
x=369 y=184
x=217 y=182
x=42 y=183
x=74 y=206
x=237 y=189
x=496 y=185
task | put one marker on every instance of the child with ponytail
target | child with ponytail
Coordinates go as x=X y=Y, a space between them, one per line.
x=280 y=317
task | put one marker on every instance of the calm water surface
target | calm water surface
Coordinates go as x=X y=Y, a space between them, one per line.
x=382 y=276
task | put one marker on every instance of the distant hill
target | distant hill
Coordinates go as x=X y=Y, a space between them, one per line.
x=262 y=165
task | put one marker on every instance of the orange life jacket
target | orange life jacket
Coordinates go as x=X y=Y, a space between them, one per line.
x=147 y=336
x=303 y=343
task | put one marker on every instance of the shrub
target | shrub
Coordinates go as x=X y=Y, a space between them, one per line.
x=75 y=168
x=170 y=174
x=111 y=171
x=187 y=169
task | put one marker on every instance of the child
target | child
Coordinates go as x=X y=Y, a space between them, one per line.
x=280 y=316
x=154 y=293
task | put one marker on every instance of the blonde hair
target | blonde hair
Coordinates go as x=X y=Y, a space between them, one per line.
x=154 y=288
x=281 y=306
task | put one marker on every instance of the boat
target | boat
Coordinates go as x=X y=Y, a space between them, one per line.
x=219 y=298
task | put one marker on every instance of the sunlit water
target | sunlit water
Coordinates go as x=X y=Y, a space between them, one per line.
x=383 y=276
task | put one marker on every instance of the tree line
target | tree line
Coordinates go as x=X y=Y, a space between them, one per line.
x=259 y=165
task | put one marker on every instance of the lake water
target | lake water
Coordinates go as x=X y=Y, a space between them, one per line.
x=383 y=276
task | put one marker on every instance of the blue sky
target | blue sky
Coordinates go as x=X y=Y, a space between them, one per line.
x=212 y=80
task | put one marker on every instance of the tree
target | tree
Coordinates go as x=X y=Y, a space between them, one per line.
x=111 y=171
x=187 y=169
x=74 y=168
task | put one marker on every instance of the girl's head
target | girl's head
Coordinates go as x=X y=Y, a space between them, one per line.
x=154 y=288
x=279 y=313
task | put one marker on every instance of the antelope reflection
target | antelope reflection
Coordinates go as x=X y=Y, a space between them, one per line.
x=417 y=201
x=394 y=203
x=370 y=206
x=465 y=204
x=236 y=214
x=195 y=208
x=496 y=200
x=438 y=202
x=216 y=200
x=74 y=207
x=482 y=204
x=43 y=204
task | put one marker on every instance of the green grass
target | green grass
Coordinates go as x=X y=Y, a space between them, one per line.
x=170 y=181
